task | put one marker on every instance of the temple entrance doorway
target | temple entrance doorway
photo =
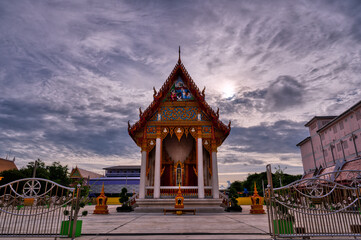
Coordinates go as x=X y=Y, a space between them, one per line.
x=179 y=161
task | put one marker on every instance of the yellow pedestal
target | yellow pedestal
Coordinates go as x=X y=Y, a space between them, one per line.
x=257 y=203
x=101 y=210
x=257 y=209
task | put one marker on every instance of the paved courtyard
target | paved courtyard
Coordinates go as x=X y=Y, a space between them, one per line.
x=159 y=226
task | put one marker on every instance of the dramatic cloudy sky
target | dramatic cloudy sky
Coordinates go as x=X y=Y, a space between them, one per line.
x=72 y=73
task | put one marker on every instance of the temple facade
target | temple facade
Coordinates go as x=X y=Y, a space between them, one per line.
x=179 y=134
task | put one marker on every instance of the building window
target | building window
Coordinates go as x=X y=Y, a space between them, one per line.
x=358 y=115
x=313 y=126
x=345 y=144
x=338 y=147
x=326 y=152
x=335 y=129
x=322 y=137
x=341 y=125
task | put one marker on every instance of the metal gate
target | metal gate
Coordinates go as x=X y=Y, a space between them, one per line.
x=36 y=207
x=326 y=205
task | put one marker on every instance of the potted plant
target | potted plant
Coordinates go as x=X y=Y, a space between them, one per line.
x=234 y=206
x=65 y=230
x=124 y=201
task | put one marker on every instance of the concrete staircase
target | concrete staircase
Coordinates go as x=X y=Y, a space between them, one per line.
x=157 y=205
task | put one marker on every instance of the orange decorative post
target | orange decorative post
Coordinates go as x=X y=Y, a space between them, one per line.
x=179 y=201
x=257 y=202
x=101 y=207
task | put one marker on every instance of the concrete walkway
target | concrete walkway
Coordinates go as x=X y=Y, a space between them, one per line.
x=159 y=226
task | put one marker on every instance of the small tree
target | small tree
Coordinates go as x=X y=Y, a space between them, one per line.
x=124 y=197
x=233 y=195
x=124 y=201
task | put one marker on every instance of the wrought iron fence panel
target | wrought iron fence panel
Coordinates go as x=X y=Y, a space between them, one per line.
x=325 y=205
x=35 y=207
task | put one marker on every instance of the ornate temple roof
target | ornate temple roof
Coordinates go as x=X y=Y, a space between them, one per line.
x=7 y=164
x=199 y=96
x=82 y=173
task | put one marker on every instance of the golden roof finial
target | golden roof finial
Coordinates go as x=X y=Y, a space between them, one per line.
x=255 y=189
x=179 y=59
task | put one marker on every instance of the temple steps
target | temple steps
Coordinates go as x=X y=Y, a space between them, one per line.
x=157 y=205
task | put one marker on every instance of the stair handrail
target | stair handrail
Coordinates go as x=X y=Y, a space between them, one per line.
x=131 y=201
x=225 y=199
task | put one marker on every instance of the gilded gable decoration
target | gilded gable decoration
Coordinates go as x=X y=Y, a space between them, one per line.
x=193 y=132
x=207 y=144
x=165 y=132
x=179 y=132
x=151 y=145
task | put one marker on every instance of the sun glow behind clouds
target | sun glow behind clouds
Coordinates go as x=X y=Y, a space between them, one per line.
x=228 y=90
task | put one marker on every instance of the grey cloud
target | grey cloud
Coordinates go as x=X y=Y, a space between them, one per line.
x=284 y=158
x=252 y=162
x=351 y=10
x=76 y=129
x=240 y=159
x=107 y=141
x=281 y=39
x=259 y=93
x=283 y=93
x=279 y=137
x=29 y=116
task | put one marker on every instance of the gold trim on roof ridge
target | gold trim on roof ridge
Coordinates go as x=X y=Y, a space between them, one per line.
x=177 y=123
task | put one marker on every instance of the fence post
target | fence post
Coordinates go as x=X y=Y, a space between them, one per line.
x=76 y=211
x=270 y=196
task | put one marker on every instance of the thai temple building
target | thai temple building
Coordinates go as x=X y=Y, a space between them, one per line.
x=179 y=134
x=79 y=175
x=334 y=143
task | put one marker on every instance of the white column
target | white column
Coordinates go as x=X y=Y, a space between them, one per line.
x=215 y=187
x=157 y=169
x=200 y=168
x=143 y=170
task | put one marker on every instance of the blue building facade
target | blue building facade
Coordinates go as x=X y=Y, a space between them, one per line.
x=115 y=179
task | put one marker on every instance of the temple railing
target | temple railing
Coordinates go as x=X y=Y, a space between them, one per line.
x=225 y=200
x=132 y=200
x=208 y=192
x=149 y=192
x=171 y=192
